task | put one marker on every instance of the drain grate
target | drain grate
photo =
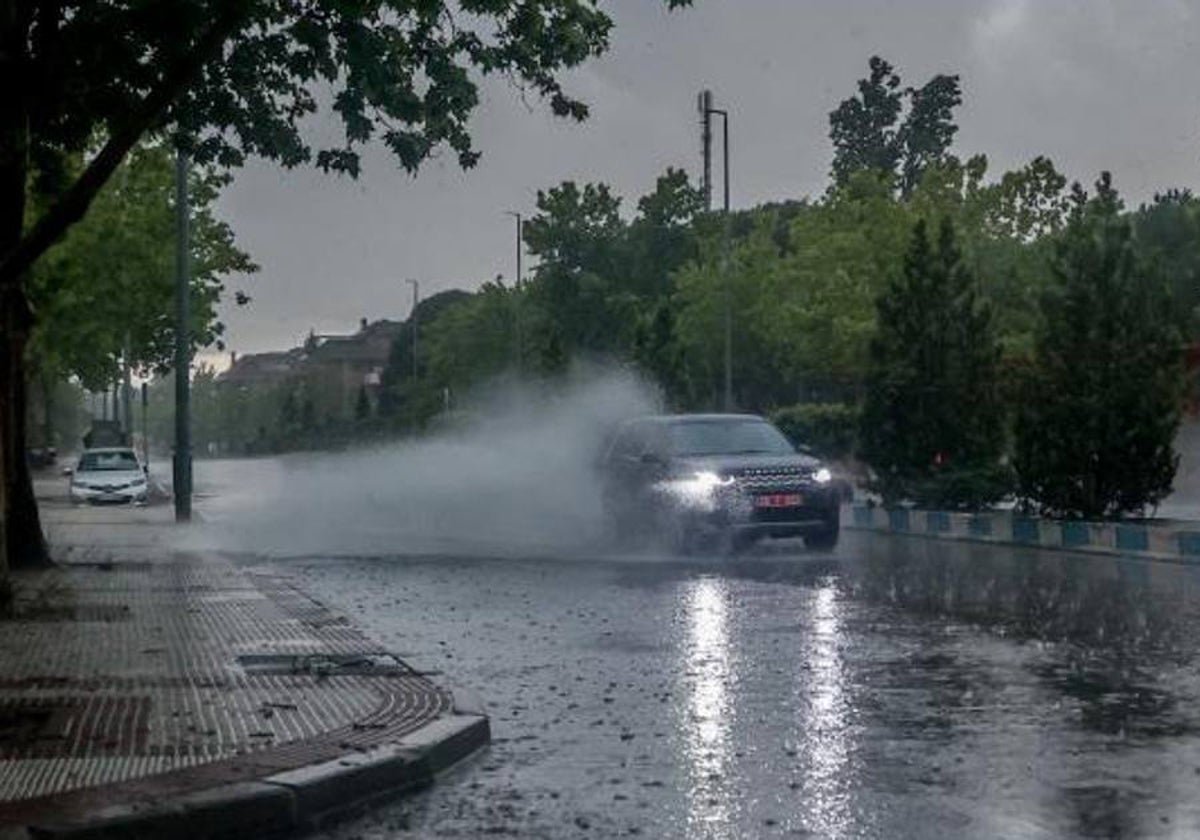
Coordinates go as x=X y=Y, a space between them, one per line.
x=323 y=664
x=53 y=727
x=106 y=613
x=111 y=565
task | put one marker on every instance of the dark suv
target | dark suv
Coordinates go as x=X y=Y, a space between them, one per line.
x=716 y=479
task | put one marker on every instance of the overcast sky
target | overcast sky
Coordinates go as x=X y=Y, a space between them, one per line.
x=1093 y=84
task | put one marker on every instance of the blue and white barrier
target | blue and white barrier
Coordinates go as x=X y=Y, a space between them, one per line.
x=1174 y=541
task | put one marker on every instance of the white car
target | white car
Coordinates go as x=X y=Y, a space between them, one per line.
x=111 y=475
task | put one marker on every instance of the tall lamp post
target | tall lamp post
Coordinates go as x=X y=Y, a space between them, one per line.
x=416 y=287
x=707 y=112
x=518 y=339
x=182 y=463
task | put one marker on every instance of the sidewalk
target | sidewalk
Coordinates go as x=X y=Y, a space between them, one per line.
x=145 y=692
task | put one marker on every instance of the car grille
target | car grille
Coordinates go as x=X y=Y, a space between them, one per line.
x=765 y=479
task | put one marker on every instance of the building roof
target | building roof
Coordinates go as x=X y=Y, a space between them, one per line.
x=262 y=368
x=371 y=345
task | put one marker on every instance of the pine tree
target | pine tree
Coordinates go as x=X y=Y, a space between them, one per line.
x=933 y=423
x=1104 y=400
x=362 y=406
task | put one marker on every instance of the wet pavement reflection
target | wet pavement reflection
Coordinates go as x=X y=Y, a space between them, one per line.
x=900 y=688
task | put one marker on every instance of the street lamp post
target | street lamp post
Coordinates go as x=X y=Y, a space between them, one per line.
x=708 y=112
x=182 y=463
x=416 y=287
x=518 y=339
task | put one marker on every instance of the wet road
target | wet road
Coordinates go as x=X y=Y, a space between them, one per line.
x=899 y=688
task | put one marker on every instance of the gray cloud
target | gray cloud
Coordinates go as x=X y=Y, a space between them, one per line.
x=1094 y=84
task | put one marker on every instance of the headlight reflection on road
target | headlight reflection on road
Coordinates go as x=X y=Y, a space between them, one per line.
x=824 y=710
x=709 y=673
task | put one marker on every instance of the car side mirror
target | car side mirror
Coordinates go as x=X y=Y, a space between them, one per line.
x=146 y=469
x=68 y=471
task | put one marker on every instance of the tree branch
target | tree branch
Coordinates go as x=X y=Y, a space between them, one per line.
x=75 y=201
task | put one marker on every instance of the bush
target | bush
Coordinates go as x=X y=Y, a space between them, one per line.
x=828 y=429
x=968 y=488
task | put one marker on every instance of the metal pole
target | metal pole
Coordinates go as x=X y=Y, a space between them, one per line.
x=706 y=112
x=145 y=427
x=416 y=286
x=706 y=104
x=182 y=463
x=725 y=272
x=126 y=393
x=518 y=338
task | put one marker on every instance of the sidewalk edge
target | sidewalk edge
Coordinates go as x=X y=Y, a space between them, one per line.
x=1176 y=543
x=285 y=802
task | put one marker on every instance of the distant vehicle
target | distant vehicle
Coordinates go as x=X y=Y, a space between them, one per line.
x=109 y=475
x=105 y=433
x=41 y=457
x=721 y=480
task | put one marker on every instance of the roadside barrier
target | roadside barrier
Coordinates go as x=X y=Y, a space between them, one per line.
x=1171 y=541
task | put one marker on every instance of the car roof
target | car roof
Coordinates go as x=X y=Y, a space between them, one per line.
x=105 y=450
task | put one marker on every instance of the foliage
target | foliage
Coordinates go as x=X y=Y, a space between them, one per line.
x=869 y=135
x=932 y=414
x=233 y=78
x=110 y=280
x=1168 y=231
x=401 y=395
x=1103 y=401
x=828 y=429
x=579 y=291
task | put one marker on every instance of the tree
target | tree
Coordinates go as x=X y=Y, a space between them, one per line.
x=362 y=405
x=1102 y=404
x=474 y=339
x=106 y=291
x=1005 y=229
x=663 y=237
x=932 y=425
x=929 y=129
x=228 y=79
x=403 y=398
x=1168 y=229
x=580 y=287
x=863 y=128
x=868 y=133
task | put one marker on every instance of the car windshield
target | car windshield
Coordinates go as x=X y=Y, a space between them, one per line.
x=107 y=462
x=727 y=437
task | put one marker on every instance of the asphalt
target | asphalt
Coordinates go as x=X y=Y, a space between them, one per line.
x=900 y=688
x=148 y=691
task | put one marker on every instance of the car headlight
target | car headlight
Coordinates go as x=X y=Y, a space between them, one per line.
x=698 y=490
x=137 y=482
x=823 y=476
x=707 y=480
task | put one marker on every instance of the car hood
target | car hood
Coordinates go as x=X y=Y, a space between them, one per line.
x=722 y=464
x=109 y=476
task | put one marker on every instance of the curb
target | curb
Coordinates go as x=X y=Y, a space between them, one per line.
x=1163 y=543
x=284 y=802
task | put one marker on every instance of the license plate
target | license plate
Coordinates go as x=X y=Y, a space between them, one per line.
x=779 y=500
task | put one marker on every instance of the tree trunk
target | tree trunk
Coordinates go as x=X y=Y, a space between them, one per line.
x=21 y=541
x=26 y=547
